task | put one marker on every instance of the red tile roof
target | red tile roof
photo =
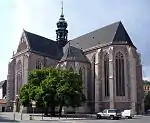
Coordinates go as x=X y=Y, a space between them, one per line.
x=3 y=101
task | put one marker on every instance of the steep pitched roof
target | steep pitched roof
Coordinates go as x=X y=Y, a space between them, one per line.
x=122 y=35
x=74 y=54
x=2 y=82
x=43 y=45
x=112 y=33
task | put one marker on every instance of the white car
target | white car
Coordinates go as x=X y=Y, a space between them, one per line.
x=109 y=113
x=128 y=114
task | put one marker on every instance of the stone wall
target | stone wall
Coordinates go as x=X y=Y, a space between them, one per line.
x=11 y=84
x=105 y=105
x=122 y=105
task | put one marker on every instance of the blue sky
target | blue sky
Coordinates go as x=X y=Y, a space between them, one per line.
x=40 y=17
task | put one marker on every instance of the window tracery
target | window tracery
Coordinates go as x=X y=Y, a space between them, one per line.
x=120 y=79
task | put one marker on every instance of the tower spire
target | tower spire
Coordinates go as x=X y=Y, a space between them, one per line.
x=62 y=32
x=62 y=8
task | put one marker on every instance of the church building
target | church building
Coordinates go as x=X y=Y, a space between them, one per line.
x=106 y=58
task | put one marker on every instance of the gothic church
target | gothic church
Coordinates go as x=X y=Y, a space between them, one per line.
x=106 y=58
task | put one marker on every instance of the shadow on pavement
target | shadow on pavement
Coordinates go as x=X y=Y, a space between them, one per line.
x=5 y=119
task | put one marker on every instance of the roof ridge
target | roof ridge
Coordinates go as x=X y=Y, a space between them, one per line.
x=119 y=22
x=97 y=29
x=39 y=36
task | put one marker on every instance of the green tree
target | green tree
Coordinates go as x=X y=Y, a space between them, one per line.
x=49 y=85
x=24 y=95
x=147 y=101
x=70 y=90
x=53 y=87
x=146 y=82
x=33 y=90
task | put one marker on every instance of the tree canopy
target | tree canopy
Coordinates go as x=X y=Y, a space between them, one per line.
x=146 y=82
x=147 y=101
x=51 y=87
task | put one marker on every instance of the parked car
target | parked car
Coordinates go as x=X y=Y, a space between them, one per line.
x=128 y=114
x=109 y=114
x=148 y=112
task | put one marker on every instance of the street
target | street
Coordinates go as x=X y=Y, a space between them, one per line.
x=9 y=117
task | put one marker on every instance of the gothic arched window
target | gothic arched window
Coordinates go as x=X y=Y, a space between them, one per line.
x=106 y=74
x=82 y=75
x=38 y=64
x=19 y=65
x=93 y=67
x=120 y=82
x=19 y=76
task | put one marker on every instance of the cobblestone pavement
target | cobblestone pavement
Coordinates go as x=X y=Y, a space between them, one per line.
x=9 y=117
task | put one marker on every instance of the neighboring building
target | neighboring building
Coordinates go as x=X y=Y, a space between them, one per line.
x=3 y=105
x=106 y=58
x=3 y=88
x=146 y=86
x=3 y=102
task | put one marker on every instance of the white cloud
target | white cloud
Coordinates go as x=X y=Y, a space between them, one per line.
x=146 y=73
x=146 y=78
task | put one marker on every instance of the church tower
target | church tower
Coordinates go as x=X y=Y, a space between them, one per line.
x=62 y=32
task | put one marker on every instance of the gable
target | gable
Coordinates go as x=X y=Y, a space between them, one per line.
x=23 y=44
x=113 y=33
x=122 y=36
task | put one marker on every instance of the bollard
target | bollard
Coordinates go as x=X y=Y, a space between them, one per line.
x=21 y=115
x=14 y=115
x=42 y=116
x=30 y=117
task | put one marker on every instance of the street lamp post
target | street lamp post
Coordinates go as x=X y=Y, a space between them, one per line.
x=17 y=103
x=14 y=108
x=33 y=105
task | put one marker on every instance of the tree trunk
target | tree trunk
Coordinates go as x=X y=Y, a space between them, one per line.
x=46 y=110
x=52 y=110
x=60 y=110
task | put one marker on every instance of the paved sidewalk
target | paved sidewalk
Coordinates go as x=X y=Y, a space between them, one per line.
x=17 y=117
x=10 y=116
